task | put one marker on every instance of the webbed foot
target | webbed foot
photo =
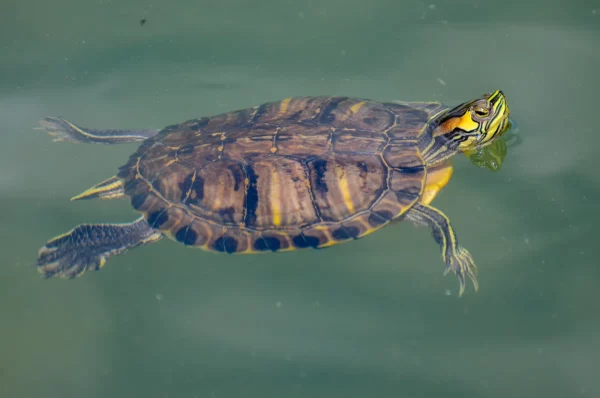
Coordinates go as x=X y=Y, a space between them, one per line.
x=456 y=257
x=462 y=264
x=87 y=246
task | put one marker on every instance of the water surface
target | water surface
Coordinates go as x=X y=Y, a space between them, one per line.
x=374 y=317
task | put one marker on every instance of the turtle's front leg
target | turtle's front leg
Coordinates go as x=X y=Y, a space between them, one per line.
x=64 y=130
x=87 y=246
x=456 y=257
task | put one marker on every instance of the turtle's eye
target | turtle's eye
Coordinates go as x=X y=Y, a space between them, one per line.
x=481 y=112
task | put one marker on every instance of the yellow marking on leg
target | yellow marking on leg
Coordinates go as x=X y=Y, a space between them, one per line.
x=443 y=231
x=283 y=107
x=275 y=199
x=90 y=135
x=111 y=188
x=344 y=187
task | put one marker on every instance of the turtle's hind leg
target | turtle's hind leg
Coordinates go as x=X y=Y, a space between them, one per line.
x=63 y=130
x=87 y=246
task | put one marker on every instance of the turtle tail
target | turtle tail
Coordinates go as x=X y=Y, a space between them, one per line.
x=111 y=188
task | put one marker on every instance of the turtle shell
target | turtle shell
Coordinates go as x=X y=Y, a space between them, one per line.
x=301 y=172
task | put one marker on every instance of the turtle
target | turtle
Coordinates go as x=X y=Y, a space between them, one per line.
x=301 y=172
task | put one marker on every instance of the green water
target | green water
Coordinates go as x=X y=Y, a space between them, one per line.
x=372 y=318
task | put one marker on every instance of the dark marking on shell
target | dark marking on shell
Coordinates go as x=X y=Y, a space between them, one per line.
x=341 y=234
x=227 y=215
x=411 y=170
x=375 y=220
x=225 y=244
x=263 y=137
x=124 y=171
x=185 y=186
x=198 y=187
x=186 y=235
x=157 y=218
x=294 y=116
x=405 y=196
x=327 y=116
x=156 y=184
x=320 y=166
x=251 y=197
x=130 y=185
x=384 y=214
x=267 y=243
x=138 y=200
x=301 y=241
x=186 y=149
x=237 y=176
x=353 y=232
x=262 y=109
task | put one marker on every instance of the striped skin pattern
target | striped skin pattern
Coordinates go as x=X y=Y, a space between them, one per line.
x=301 y=172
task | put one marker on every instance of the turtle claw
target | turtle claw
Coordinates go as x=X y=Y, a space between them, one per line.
x=62 y=258
x=462 y=264
x=58 y=128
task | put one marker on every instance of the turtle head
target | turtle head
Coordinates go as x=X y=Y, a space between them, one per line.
x=468 y=126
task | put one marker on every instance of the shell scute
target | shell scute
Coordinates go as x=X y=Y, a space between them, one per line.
x=284 y=197
x=402 y=155
x=358 y=141
x=303 y=141
x=357 y=114
x=344 y=184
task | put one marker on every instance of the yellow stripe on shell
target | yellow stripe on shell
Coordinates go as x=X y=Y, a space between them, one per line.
x=283 y=107
x=345 y=189
x=275 y=198
x=353 y=110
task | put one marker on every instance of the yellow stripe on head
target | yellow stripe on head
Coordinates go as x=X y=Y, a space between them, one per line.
x=468 y=126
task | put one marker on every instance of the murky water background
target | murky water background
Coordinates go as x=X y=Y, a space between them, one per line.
x=370 y=318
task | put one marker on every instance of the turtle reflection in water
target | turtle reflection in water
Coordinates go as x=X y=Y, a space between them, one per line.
x=298 y=173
